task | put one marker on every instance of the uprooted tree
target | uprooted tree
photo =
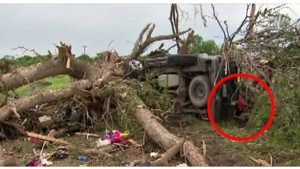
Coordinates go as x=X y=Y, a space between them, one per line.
x=100 y=87
x=94 y=86
x=265 y=44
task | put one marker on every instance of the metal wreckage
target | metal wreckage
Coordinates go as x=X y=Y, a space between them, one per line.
x=189 y=78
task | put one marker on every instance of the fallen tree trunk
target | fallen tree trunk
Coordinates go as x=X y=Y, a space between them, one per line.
x=154 y=129
x=78 y=69
x=41 y=98
x=164 y=138
x=163 y=161
x=65 y=64
x=25 y=75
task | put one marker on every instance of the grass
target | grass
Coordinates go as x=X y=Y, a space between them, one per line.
x=57 y=82
x=281 y=142
x=274 y=141
x=284 y=151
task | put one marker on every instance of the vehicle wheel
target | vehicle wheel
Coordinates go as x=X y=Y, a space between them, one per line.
x=133 y=68
x=199 y=90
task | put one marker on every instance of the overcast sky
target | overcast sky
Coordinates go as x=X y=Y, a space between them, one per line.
x=96 y=25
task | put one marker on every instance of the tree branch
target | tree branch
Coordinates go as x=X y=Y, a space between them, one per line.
x=141 y=45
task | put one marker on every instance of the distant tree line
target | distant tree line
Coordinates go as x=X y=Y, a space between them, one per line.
x=199 y=45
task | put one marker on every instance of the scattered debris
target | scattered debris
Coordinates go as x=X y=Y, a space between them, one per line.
x=182 y=165
x=61 y=153
x=101 y=143
x=87 y=135
x=98 y=94
x=46 y=138
x=154 y=154
x=33 y=163
x=82 y=158
x=260 y=162
x=78 y=109
x=45 y=162
x=204 y=148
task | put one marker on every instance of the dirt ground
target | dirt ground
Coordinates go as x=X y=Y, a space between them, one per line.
x=220 y=151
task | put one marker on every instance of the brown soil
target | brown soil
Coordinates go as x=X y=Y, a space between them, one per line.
x=220 y=151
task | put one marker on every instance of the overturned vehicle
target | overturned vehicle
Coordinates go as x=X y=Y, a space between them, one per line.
x=190 y=78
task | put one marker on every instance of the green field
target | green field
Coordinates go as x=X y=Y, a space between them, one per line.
x=57 y=82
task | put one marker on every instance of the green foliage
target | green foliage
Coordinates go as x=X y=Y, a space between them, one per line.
x=283 y=52
x=143 y=57
x=204 y=46
x=86 y=58
x=24 y=60
x=152 y=97
x=287 y=96
x=27 y=60
x=198 y=46
x=282 y=20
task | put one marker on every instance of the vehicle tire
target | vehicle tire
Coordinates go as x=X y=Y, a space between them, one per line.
x=133 y=68
x=199 y=90
x=185 y=60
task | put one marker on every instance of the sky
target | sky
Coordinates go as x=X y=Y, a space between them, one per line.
x=40 y=26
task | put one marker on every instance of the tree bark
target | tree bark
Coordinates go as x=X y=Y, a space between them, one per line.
x=154 y=129
x=164 y=138
x=25 y=75
x=79 y=69
x=41 y=98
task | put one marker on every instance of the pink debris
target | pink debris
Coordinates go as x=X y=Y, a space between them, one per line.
x=241 y=103
x=33 y=163
x=31 y=139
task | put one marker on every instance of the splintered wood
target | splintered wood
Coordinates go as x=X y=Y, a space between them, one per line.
x=260 y=162
x=47 y=138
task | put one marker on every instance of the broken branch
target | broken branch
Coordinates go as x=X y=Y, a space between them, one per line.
x=141 y=45
x=42 y=97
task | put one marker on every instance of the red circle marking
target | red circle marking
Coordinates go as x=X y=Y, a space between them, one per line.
x=241 y=138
